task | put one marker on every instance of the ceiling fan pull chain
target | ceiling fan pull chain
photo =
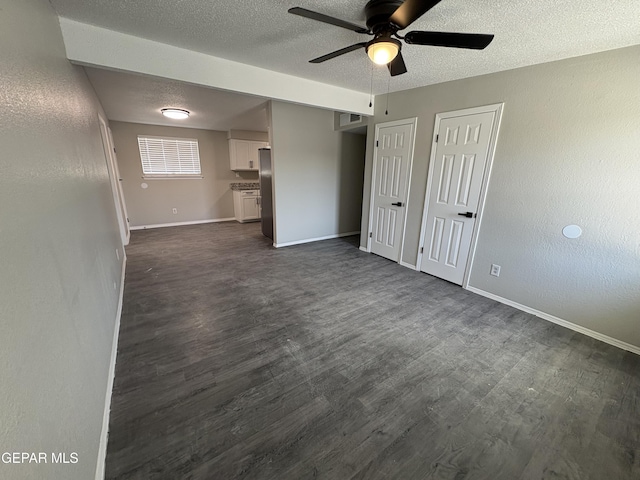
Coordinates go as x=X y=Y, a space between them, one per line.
x=386 y=112
x=371 y=87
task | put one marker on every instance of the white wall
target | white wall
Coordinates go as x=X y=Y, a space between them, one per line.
x=567 y=152
x=317 y=174
x=200 y=199
x=59 y=273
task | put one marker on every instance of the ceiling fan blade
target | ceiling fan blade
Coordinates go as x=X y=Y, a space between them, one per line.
x=397 y=66
x=303 y=12
x=476 y=41
x=337 y=53
x=410 y=11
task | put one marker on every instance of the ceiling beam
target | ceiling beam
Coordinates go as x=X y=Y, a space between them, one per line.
x=99 y=47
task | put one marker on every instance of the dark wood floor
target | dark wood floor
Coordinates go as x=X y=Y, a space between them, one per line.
x=237 y=360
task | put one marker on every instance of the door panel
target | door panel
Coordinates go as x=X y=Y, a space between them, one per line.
x=453 y=244
x=391 y=174
x=456 y=184
x=250 y=208
x=242 y=154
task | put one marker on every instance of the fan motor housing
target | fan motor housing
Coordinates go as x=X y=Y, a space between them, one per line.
x=378 y=13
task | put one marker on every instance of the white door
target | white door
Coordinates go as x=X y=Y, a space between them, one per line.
x=392 y=165
x=456 y=179
x=114 y=177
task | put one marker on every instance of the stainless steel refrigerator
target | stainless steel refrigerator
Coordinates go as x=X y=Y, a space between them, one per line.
x=266 y=192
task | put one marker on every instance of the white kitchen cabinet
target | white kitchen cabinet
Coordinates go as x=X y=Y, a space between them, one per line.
x=246 y=205
x=243 y=154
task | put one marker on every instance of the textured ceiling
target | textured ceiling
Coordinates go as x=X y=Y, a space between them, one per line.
x=263 y=34
x=134 y=98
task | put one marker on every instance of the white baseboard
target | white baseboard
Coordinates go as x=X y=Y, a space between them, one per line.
x=309 y=240
x=104 y=436
x=559 y=321
x=364 y=249
x=179 y=224
x=408 y=265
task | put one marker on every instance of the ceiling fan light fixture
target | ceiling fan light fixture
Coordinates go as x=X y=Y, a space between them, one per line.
x=175 y=113
x=383 y=50
x=384 y=19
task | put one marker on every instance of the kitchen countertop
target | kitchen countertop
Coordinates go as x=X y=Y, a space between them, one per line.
x=245 y=186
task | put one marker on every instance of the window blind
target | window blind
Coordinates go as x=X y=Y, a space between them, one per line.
x=169 y=156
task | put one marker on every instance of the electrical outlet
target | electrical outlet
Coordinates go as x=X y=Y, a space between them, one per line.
x=175 y=211
x=495 y=270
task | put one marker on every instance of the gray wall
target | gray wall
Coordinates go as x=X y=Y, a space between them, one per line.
x=208 y=198
x=567 y=152
x=58 y=239
x=318 y=174
x=360 y=126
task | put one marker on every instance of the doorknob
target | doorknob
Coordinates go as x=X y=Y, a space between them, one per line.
x=397 y=204
x=466 y=214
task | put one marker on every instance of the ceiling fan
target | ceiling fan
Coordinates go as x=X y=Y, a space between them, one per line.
x=384 y=19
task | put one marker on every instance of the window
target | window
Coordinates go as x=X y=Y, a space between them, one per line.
x=169 y=157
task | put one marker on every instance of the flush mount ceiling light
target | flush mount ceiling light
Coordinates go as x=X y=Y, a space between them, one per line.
x=383 y=50
x=175 y=113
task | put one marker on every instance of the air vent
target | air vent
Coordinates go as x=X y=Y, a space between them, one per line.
x=349 y=119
